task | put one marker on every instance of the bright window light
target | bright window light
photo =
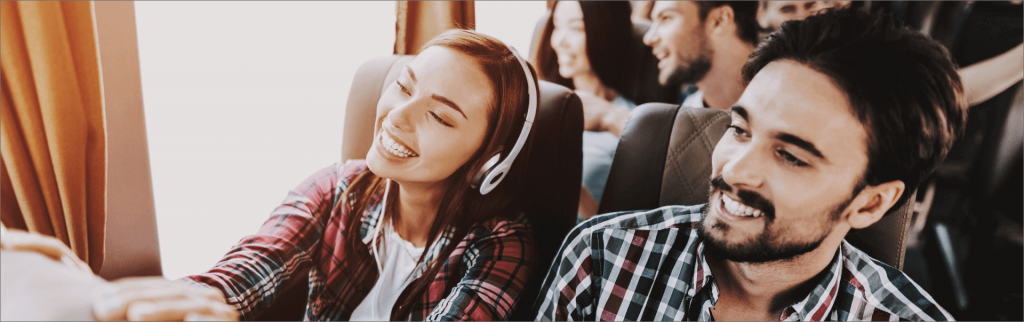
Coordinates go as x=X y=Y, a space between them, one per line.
x=512 y=22
x=243 y=101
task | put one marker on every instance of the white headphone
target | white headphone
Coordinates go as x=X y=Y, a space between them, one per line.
x=494 y=172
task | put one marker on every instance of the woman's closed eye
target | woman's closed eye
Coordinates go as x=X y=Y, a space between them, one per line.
x=403 y=88
x=440 y=120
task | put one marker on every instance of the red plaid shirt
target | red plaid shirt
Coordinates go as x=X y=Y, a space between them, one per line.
x=481 y=280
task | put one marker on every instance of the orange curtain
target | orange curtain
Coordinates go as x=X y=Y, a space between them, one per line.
x=419 y=21
x=52 y=141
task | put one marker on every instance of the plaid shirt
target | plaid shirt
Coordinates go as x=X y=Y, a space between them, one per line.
x=650 y=265
x=481 y=280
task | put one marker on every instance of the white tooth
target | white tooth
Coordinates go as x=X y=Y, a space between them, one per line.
x=749 y=211
x=757 y=213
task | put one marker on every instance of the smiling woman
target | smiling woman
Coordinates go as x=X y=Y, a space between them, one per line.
x=416 y=208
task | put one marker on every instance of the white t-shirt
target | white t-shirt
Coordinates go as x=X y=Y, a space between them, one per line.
x=695 y=100
x=398 y=258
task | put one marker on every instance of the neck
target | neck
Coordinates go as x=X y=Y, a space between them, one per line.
x=417 y=207
x=723 y=85
x=765 y=289
x=588 y=82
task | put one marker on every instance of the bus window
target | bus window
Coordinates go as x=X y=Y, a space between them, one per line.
x=244 y=100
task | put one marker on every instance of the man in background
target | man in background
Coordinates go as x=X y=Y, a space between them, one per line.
x=696 y=42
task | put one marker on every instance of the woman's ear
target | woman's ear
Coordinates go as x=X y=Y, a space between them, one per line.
x=873 y=202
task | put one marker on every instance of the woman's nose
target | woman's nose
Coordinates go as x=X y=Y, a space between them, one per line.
x=401 y=116
x=558 y=40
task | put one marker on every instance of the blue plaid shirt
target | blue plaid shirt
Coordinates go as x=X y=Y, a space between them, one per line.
x=649 y=265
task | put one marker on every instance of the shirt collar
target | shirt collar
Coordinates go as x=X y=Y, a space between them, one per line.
x=814 y=307
x=375 y=219
x=702 y=275
x=817 y=305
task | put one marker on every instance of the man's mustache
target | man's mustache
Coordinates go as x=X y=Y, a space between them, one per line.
x=749 y=198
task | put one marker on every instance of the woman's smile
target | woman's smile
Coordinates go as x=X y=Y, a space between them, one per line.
x=396 y=148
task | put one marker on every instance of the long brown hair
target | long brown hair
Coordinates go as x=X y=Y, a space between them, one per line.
x=617 y=56
x=461 y=207
x=610 y=45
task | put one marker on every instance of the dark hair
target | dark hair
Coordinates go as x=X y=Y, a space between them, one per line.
x=610 y=44
x=901 y=84
x=744 y=16
x=461 y=208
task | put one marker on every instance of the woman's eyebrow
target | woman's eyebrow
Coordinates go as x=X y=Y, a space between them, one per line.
x=439 y=98
x=448 y=102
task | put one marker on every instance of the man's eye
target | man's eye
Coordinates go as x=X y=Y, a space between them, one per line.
x=737 y=130
x=790 y=159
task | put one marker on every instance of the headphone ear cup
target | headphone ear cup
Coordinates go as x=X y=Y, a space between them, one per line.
x=478 y=178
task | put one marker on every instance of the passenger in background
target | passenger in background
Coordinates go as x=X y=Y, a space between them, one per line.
x=584 y=47
x=981 y=80
x=699 y=42
x=771 y=14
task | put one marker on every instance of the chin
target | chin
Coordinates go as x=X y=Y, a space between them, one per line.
x=566 y=72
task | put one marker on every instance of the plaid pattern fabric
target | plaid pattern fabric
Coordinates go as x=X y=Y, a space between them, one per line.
x=481 y=280
x=650 y=265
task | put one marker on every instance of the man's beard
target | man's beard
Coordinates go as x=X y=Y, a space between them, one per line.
x=766 y=246
x=691 y=70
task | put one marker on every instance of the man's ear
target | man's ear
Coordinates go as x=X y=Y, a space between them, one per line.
x=720 y=17
x=873 y=202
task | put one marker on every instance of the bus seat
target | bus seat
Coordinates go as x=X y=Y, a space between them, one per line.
x=664 y=158
x=643 y=83
x=550 y=192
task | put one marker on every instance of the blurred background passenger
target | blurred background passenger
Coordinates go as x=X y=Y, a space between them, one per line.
x=982 y=80
x=586 y=49
x=701 y=47
x=771 y=14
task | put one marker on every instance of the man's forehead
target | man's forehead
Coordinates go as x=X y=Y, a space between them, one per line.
x=790 y=97
x=774 y=5
x=677 y=6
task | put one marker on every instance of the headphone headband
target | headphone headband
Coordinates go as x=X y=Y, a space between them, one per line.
x=495 y=175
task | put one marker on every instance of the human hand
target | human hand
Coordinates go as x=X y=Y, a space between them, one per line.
x=17 y=240
x=159 y=299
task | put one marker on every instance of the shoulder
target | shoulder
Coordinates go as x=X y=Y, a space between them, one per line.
x=622 y=101
x=667 y=217
x=349 y=170
x=877 y=286
x=501 y=227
